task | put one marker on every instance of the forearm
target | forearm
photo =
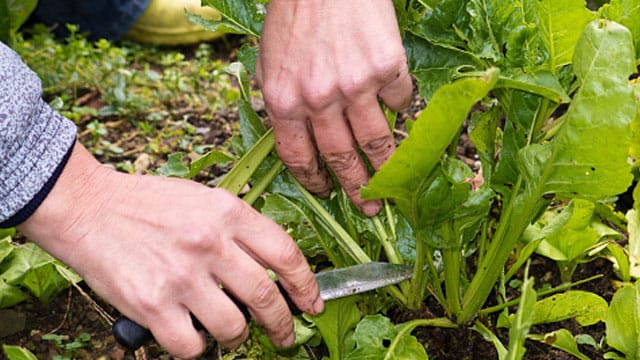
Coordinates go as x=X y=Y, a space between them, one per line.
x=34 y=141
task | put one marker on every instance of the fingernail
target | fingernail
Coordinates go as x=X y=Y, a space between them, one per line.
x=370 y=208
x=318 y=306
x=289 y=341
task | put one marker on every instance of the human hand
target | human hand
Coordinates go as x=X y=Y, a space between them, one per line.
x=322 y=67
x=157 y=248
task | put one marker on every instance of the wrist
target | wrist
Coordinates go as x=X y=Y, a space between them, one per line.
x=54 y=225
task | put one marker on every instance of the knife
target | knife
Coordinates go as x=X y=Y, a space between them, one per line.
x=333 y=284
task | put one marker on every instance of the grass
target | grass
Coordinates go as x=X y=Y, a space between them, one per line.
x=136 y=102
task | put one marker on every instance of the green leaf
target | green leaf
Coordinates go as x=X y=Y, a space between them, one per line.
x=5 y=23
x=588 y=157
x=568 y=232
x=561 y=339
x=9 y=232
x=211 y=158
x=238 y=17
x=488 y=335
x=434 y=65
x=44 y=282
x=298 y=223
x=522 y=321
x=248 y=56
x=403 y=175
x=377 y=338
x=174 y=167
x=22 y=260
x=19 y=11
x=10 y=295
x=238 y=70
x=560 y=24
x=586 y=307
x=634 y=151
x=6 y=247
x=17 y=353
x=627 y=13
x=541 y=83
x=338 y=319
x=623 y=321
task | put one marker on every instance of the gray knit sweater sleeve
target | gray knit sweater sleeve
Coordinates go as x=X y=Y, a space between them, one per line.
x=35 y=141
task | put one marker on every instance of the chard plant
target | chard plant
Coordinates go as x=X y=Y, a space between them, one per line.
x=547 y=94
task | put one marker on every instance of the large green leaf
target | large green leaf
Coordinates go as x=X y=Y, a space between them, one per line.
x=404 y=174
x=588 y=157
x=237 y=17
x=568 y=232
x=10 y=294
x=627 y=13
x=560 y=24
x=434 y=65
x=623 y=321
x=377 y=338
x=17 y=353
x=338 y=319
x=586 y=307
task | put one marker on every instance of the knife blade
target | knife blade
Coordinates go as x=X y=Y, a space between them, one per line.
x=333 y=284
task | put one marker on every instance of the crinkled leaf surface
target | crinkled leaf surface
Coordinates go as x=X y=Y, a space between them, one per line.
x=588 y=157
x=378 y=339
x=403 y=175
x=623 y=321
x=238 y=16
x=586 y=307
x=433 y=65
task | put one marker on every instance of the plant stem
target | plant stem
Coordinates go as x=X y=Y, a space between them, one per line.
x=451 y=258
x=259 y=187
x=493 y=262
x=239 y=176
x=418 y=282
x=346 y=242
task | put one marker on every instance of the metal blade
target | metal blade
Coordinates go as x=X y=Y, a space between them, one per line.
x=357 y=279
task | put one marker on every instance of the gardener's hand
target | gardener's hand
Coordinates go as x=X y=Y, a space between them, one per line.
x=322 y=67
x=157 y=248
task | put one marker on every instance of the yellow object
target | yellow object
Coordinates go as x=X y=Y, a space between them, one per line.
x=164 y=23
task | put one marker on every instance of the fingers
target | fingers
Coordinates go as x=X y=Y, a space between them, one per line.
x=281 y=254
x=397 y=93
x=335 y=142
x=178 y=336
x=296 y=148
x=251 y=284
x=218 y=314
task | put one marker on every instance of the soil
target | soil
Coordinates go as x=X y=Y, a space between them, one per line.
x=78 y=311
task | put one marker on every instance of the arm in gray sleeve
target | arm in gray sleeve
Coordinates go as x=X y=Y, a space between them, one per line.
x=35 y=141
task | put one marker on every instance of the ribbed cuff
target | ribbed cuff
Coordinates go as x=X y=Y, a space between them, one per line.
x=23 y=214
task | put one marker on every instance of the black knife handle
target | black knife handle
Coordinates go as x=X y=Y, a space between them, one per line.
x=131 y=336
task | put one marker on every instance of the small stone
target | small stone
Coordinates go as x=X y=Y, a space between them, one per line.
x=142 y=163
